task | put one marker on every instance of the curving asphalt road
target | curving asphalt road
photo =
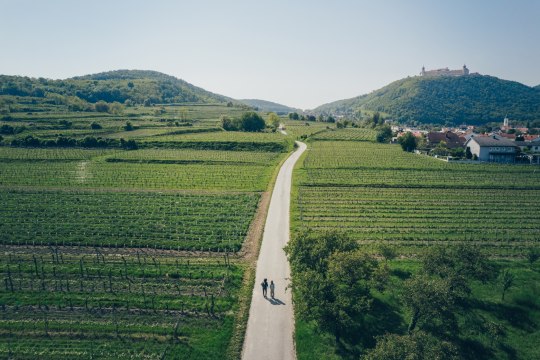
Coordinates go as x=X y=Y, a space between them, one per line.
x=271 y=321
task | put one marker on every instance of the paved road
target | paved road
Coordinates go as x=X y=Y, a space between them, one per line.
x=271 y=321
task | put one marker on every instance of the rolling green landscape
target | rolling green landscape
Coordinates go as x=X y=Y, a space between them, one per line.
x=125 y=251
x=473 y=99
x=131 y=222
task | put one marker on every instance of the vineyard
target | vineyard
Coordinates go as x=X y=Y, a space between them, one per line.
x=379 y=194
x=352 y=134
x=123 y=254
x=58 y=302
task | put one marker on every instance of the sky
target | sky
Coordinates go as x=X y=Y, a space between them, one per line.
x=301 y=53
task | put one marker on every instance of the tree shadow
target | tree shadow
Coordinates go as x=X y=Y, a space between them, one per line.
x=401 y=274
x=473 y=349
x=381 y=319
x=514 y=315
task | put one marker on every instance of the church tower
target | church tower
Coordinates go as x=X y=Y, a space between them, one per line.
x=465 y=70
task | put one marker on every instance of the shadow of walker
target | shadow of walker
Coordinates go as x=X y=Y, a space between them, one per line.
x=275 y=301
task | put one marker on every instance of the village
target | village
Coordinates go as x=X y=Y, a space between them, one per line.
x=504 y=144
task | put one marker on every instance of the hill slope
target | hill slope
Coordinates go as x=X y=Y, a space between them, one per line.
x=264 y=105
x=120 y=85
x=473 y=99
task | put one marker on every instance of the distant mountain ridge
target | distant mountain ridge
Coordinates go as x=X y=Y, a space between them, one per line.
x=138 y=86
x=269 y=106
x=473 y=99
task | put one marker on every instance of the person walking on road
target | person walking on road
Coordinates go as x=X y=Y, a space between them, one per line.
x=272 y=288
x=264 y=285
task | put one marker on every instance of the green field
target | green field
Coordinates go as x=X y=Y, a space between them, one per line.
x=123 y=254
x=378 y=193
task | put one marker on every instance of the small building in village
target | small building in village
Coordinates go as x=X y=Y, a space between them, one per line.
x=493 y=149
x=451 y=139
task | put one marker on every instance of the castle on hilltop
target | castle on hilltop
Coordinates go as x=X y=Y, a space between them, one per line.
x=445 y=72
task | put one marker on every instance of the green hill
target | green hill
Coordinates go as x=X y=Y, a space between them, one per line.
x=264 y=105
x=137 y=86
x=473 y=99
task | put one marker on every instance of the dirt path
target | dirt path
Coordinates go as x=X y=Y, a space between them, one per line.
x=271 y=321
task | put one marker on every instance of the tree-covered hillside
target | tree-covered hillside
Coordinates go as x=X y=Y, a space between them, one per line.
x=474 y=99
x=134 y=86
x=264 y=105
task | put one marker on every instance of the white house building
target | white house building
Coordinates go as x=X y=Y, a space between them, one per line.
x=492 y=148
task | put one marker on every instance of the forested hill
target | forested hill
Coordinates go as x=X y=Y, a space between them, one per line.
x=264 y=105
x=137 y=86
x=473 y=99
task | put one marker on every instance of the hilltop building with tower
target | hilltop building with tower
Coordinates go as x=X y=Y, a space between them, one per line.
x=445 y=72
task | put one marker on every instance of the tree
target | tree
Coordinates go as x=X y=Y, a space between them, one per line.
x=116 y=108
x=333 y=279
x=416 y=346
x=95 y=126
x=533 y=254
x=128 y=126
x=252 y=122
x=294 y=116
x=428 y=300
x=507 y=281
x=273 y=120
x=468 y=153
x=387 y=252
x=408 y=142
x=384 y=134
x=101 y=106
x=228 y=124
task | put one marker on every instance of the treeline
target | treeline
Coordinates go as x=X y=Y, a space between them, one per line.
x=66 y=142
x=123 y=87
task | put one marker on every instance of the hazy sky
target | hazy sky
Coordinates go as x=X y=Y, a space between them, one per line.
x=299 y=53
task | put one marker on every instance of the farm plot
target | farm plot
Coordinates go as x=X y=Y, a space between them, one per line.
x=93 y=174
x=58 y=154
x=180 y=221
x=123 y=305
x=305 y=129
x=194 y=156
x=373 y=193
x=351 y=134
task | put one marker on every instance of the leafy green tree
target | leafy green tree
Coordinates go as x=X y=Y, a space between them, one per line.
x=384 y=134
x=408 y=142
x=387 y=252
x=252 y=122
x=533 y=254
x=116 y=108
x=95 y=126
x=468 y=153
x=294 y=116
x=273 y=120
x=416 y=346
x=129 y=126
x=506 y=280
x=228 y=124
x=429 y=300
x=101 y=106
x=333 y=279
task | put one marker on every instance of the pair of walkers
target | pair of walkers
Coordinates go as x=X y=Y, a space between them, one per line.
x=265 y=287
